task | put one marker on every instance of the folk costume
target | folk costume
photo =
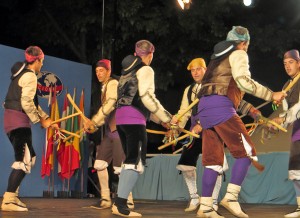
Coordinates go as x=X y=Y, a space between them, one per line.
x=291 y=115
x=135 y=105
x=188 y=160
x=21 y=108
x=110 y=148
x=223 y=86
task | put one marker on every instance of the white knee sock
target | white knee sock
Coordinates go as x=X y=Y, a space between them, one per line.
x=104 y=186
x=190 y=178
x=217 y=189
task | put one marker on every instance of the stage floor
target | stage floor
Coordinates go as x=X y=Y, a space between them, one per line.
x=54 y=207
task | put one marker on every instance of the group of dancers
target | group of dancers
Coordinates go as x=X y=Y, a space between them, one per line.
x=129 y=102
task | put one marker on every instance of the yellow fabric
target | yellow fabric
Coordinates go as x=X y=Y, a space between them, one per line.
x=197 y=62
x=51 y=132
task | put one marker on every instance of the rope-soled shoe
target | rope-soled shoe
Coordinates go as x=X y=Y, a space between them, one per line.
x=234 y=207
x=104 y=204
x=209 y=214
x=124 y=212
x=206 y=209
x=9 y=203
x=295 y=213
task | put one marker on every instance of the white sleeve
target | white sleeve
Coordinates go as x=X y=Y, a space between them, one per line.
x=146 y=87
x=108 y=105
x=28 y=82
x=239 y=63
x=184 y=105
x=292 y=114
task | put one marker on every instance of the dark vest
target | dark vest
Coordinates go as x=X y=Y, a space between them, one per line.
x=293 y=94
x=111 y=118
x=128 y=93
x=13 y=96
x=218 y=80
x=189 y=97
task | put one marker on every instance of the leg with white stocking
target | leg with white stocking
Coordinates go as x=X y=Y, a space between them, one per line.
x=104 y=187
x=216 y=192
x=190 y=178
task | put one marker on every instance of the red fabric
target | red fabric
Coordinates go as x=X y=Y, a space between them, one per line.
x=51 y=137
x=62 y=145
x=30 y=58
x=70 y=161
x=104 y=63
x=68 y=156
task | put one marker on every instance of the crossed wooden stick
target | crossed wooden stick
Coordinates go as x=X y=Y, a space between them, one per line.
x=78 y=113
x=188 y=133
x=261 y=118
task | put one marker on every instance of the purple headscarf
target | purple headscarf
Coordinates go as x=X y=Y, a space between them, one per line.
x=144 y=47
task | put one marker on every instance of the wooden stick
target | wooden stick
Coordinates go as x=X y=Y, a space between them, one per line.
x=292 y=83
x=173 y=142
x=71 y=136
x=76 y=107
x=188 y=108
x=70 y=133
x=156 y=131
x=178 y=150
x=266 y=120
x=65 y=118
x=190 y=133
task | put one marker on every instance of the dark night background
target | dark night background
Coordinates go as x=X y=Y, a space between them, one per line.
x=74 y=30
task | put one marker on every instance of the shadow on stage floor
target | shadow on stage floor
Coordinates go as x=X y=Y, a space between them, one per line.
x=54 y=207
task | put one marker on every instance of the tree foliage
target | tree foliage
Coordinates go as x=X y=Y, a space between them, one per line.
x=73 y=29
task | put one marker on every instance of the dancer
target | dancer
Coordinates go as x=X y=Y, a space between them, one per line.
x=136 y=101
x=226 y=80
x=110 y=150
x=290 y=115
x=188 y=160
x=21 y=108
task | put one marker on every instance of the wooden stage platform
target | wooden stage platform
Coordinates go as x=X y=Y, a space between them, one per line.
x=67 y=208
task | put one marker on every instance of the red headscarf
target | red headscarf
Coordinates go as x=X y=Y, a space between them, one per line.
x=104 y=63
x=31 y=58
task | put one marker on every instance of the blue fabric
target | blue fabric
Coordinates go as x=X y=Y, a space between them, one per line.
x=162 y=181
x=127 y=181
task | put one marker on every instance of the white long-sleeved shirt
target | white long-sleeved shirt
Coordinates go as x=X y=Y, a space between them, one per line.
x=110 y=96
x=146 y=87
x=28 y=82
x=185 y=103
x=239 y=63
